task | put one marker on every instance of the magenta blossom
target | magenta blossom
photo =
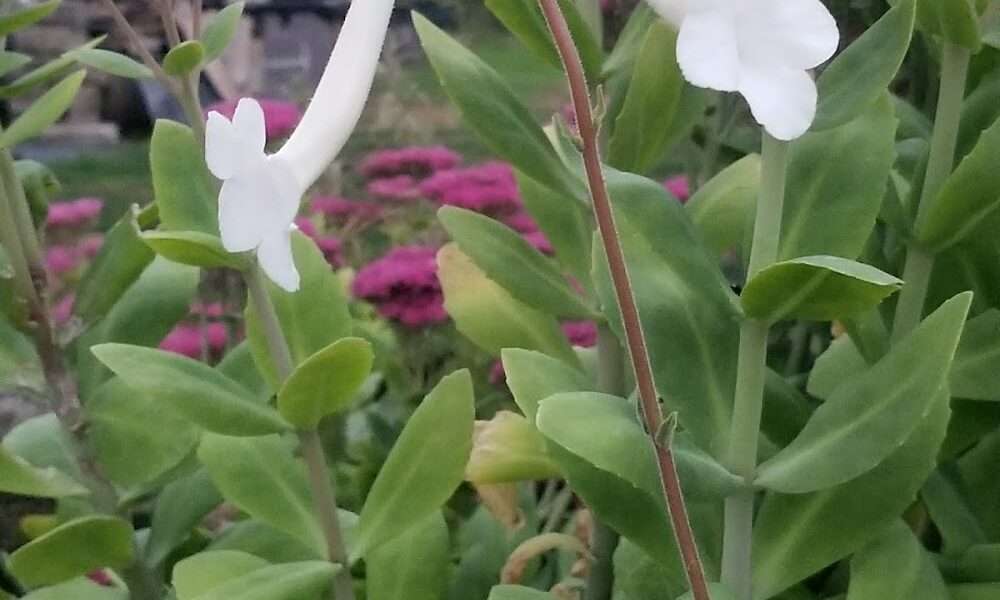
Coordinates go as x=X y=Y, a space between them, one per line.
x=341 y=210
x=62 y=310
x=91 y=244
x=540 y=242
x=403 y=286
x=416 y=161
x=580 y=333
x=398 y=187
x=679 y=186
x=331 y=249
x=280 y=116
x=208 y=309
x=306 y=226
x=74 y=213
x=489 y=188
x=60 y=260
x=190 y=340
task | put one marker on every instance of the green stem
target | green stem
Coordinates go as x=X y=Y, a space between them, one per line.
x=750 y=375
x=324 y=498
x=940 y=163
x=610 y=380
x=191 y=103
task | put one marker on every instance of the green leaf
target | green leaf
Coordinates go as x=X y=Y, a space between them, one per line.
x=12 y=61
x=974 y=372
x=974 y=591
x=565 y=222
x=834 y=192
x=509 y=260
x=44 y=443
x=488 y=315
x=533 y=376
x=895 y=565
x=969 y=195
x=28 y=16
x=193 y=389
x=193 y=248
x=819 y=288
x=312 y=318
x=640 y=576
x=220 y=30
x=723 y=208
x=184 y=190
x=133 y=448
x=200 y=573
x=980 y=563
x=17 y=476
x=78 y=589
x=326 y=382
x=945 y=502
x=518 y=592
x=19 y=363
x=869 y=416
x=72 y=549
x=262 y=478
x=717 y=591
x=604 y=431
x=122 y=259
x=180 y=507
x=43 y=112
x=508 y=449
x=112 y=62
x=797 y=535
x=425 y=466
x=414 y=566
x=290 y=581
x=863 y=71
x=184 y=58
x=525 y=20
x=260 y=539
x=956 y=21
x=53 y=69
x=643 y=126
x=492 y=110
x=981 y=487
x=688 y=312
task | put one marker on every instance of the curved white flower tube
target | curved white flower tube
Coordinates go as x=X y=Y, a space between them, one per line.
x=260 y=194
x=762 y=49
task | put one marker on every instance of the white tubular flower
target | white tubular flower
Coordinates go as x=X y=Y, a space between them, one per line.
x=762 y=49
x=260 y=194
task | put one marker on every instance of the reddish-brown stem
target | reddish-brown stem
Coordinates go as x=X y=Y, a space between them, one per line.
x=634 y=337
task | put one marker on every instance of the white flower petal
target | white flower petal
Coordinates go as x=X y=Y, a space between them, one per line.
x=277 y=262
x=222 y=145
x=248 y=119
x=793 y=33
x=342 y=91
x=256 y=205
x=783 y=100
x=707 y=51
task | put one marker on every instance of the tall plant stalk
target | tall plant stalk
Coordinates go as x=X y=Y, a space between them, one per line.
x=634 y=337
x=940 y=163
x=324 y=498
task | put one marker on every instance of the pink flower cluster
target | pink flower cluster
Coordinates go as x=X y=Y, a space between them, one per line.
x=340 y=211
x=416 y=161
x=329 y=245
x=74 y=213
x=66 y=258
x=195 y=339
x=679 y=186
x=280 y=116
x=579 y=333
x=397 y=187
x=403 y=286
x=489 y=188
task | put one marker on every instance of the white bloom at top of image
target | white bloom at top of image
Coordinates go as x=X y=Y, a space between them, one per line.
x=762 y=49
x=261 y=193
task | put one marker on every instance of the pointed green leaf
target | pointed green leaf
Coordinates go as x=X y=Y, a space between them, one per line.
x=956 y=21
x=488 y=315
x=865 y=420
x=72 y=549
x=220 y=31
x=493 y=111
x=184 y=58
x=508 y=259
x=12 y=61
x=180 y=507
x=425 y=466
x=53 y=69
x=19 y=20
x=312 y=318
x=43 y=112
x=943 y=495
x=78 y=589
x=863 y=71
x=820 y=288
x=200 y=573
x=721 y=208
x=193 y=248
x=565 y=222
x=290 y=581
x=326 y=382
x=643 y=127
x=895 y=565
x=977 y=362
x=193 y=389
x=262 y=478
x=17 y=476
x=687 y=309
x=533 y=376
x=414 y=566
x=184 y=190
x=112 y=62
x=507 y=449
x=969 y=195
x=800 y=534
